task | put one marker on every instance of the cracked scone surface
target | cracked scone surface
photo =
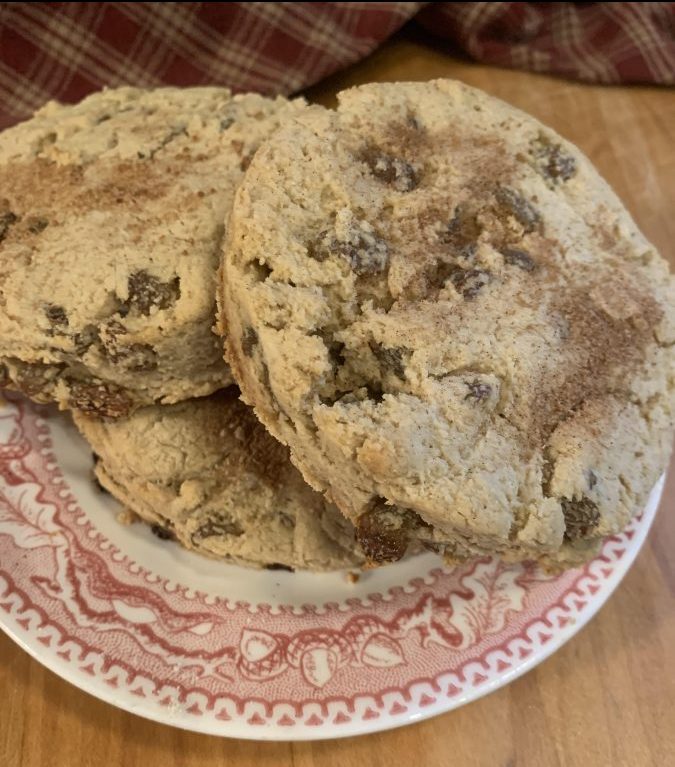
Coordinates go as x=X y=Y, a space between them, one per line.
x=452 y=321
x=206 y=473
x=111 y=219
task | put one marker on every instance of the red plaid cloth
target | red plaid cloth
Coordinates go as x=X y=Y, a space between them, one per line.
x=596 y=42
x=66 y=50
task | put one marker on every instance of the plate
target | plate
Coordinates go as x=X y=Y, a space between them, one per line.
x=215 y=648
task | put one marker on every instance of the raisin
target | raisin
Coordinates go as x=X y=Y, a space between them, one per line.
x=226 y=122
x=219 y=525
x=439 y=273
x=36 y=224
x=519 y=258
x=367 y=255
x=32 y=378
x=552 y=161
x=581 y=517
x=85 y=338
x=317 y=249
x=163 y=533
x=436 y=548
x=478 y=390
x=390 y=358
x=547 y=471
x=139 y=357
x=512 y=203
x=390 y=170
x=469 y=282
x=105 y=400
x=592 y=479
x=56 y=315
x=7 y=218
x=147 y=292
x=374 y=391
x=462 y=231
x=249 y=339
x=383 y=531
x=279 y=566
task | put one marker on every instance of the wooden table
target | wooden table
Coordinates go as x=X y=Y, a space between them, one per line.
x=608 y=697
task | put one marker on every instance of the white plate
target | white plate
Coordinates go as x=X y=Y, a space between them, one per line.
x=215 y=648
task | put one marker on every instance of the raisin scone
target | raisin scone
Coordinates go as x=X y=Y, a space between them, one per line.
x=206 y=473
x=111 y=219
x=449 y=317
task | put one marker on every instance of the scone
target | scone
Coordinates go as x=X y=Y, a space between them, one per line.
x=449 y=317
x=207 y=474
x=111 y=219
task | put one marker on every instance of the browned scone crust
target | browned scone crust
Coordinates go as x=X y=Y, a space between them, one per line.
x=449 y=317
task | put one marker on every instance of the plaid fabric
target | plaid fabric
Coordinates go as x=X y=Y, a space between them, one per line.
x=595 y=42
x=66 y=50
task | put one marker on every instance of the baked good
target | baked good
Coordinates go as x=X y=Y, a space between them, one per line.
x=453 y=322
x=205 y=473
x=111 y=217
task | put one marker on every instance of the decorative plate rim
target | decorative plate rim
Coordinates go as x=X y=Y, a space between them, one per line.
x=332 y=716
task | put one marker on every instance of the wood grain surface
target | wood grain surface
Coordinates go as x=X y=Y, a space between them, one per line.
x=607 y=697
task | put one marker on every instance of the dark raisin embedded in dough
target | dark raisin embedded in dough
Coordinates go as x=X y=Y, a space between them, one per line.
x=512 y=203
x=367 y=254
x=390 y=170
x=335 y=352
x=137 y=357
x=552 y=161
x=547 y=470
x=7 y=218
x=462 y=232
x=163 y=533
x=85 y=338
x=469 y=282
x=56 y=315
x=226 y=122
x=147 y=292
x=249 y=339
x=37 y=224
x=581 y=517
x=519 y=258
x=218 y=526
x=439 y=273
x=390 y=358
x=279 y=566
x=105 y=400
x=32 y=378
x=592 y=479
x=437 y=548
x=383 y=532
x=317 y=248
x=478 y=390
